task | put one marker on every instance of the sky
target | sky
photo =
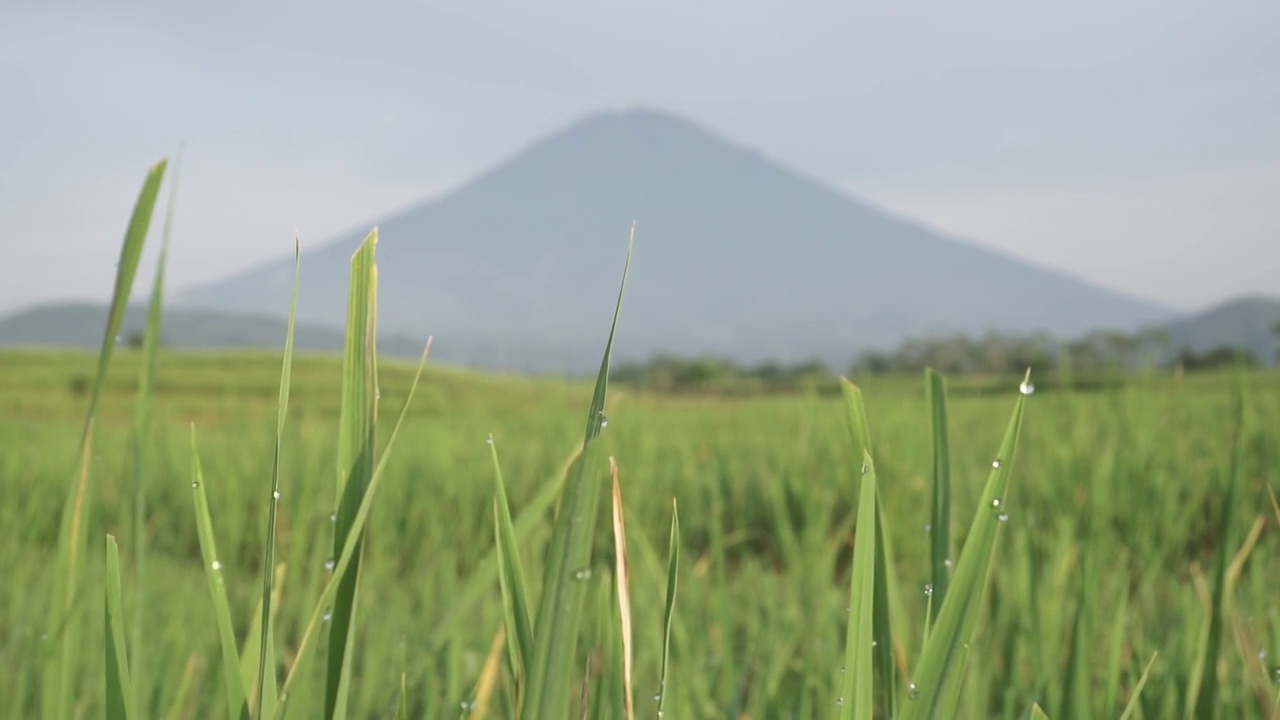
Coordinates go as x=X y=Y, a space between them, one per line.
x=1135 y=145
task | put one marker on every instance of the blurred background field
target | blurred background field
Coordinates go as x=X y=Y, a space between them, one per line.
x=1112 y=529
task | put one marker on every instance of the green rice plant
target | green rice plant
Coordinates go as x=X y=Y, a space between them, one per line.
x=121 y=702
x=940 y=515
x=356 y=438
x=669 y=608
x=515 y=605
x=856 y=701
x=1205 y=700
x=233 y=677
x=142 y=434
x=932 y=691
x=63 y=622
x=560 y=605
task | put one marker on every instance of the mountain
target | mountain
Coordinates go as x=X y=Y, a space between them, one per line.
x=1247 y=322
x=735 y=255
x=81 y=325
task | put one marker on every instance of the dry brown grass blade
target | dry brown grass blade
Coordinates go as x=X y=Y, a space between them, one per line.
x=1250 y=540
x=489 y=676
x=624 y=597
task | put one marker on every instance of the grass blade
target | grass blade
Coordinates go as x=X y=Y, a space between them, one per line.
x=57 y=684
x=940 y=515
x=515 y=605
x=120 y=698
x=560 y=606
x=1206 y=700
x=356 y=429
x=233 y=682
x=268 y=694
x=349 y=548
x=624 y=597
x=885 y=586
x=941 y=663
x=142 y=434
x=856 y=694
x=1037 y=712
x=673 y=568
x=1137 y=689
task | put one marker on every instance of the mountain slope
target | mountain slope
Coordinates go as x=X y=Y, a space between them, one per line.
x=735 y=255
x=1246 y=322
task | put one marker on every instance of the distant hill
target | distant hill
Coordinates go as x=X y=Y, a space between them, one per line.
x=735 y=256
x=1243 y=323
x=81 y=325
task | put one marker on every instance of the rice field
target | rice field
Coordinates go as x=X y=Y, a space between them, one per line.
x=450 y=544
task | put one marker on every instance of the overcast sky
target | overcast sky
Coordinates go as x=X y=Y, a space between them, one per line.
x=1134 y=144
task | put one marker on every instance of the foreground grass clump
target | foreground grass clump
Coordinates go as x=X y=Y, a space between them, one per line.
x=336 y=538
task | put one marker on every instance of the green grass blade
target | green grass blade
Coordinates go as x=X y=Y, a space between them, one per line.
x=885 y=590
x=1132 y=705
x=233 y=682
x=356 y=431
x=515 y=605
x=1037 y=712
x=941 y=663
x=940 y=515
x=349 y=548
x=120 y=698
x=856 y=695
x=1206 y=701
x=268 y=694
x=142 y=434
x=560 y=606
x=63 y=622
x=668 y=613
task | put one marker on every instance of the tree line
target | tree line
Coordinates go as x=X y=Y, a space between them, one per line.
x=1097 y=354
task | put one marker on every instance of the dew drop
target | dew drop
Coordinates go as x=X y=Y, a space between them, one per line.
x=1026 y=388
x=928 y=527
x=928 y=589
x=327 y=617
x=216 y=565
x=657 y=697
x=864 y=468
x=1003 y=517
x=995 y=463
x=840 y=700
x=873 y=643
x=490 y=440
x=333 y=517
x=330 y=564
x=1262 y=654
x=195 y=484
x=995 y=503
x=275 y=494
x=604 y=423
x=913 y=692
x=842 y=668
x=947 y=562
x=582 y=574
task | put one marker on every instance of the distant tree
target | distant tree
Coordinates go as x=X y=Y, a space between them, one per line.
x=1217 y=358
x=135 y=339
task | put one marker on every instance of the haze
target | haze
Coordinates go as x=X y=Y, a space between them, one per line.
x=1134 y=145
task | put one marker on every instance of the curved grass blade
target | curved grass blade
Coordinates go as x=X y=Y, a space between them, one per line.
x=357 y=425
x=1137 y=689
x=941 y=663
x=63 y=621
x=120 y=698
x=1207 y=697
x=233 y=683
x=621 y=575
x=267 y=689
x=349 y=547
x=142 y=433
x=673 y=570
x=940 y=515
x=560 y=607
x=515 y=605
